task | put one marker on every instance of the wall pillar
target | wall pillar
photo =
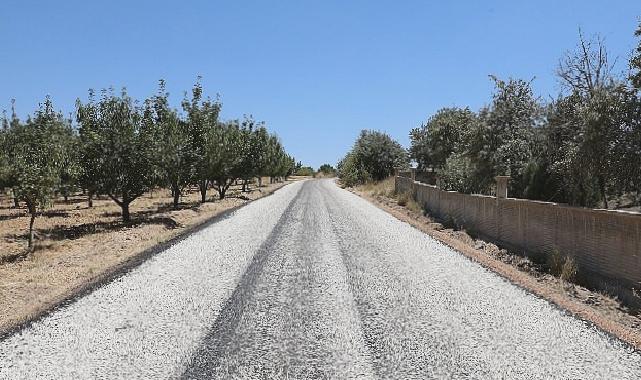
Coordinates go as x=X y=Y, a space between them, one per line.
x=501 y=185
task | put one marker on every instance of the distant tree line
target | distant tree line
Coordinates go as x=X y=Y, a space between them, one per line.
x=121 y=149
x=582 y=148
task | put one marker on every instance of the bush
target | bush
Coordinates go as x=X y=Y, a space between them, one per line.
x=375 y=156
x=457 y=174
x=562 y=266
x=305 y=171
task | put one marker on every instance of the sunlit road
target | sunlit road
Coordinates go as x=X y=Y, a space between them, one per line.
x=312 y=282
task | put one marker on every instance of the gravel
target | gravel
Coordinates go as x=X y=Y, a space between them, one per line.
x=147 y=323
x=313 y=282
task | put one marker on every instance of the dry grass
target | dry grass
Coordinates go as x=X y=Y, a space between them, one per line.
x=76 y=244
x=384 y=188
x=562 y=266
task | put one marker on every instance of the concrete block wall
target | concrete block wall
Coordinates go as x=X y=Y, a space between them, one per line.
x=602 y=242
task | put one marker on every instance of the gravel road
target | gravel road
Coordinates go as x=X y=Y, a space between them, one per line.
x=312 y=282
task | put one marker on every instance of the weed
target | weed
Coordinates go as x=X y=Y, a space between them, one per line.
x=555 y=262
x=562 y=266
x=569 y=270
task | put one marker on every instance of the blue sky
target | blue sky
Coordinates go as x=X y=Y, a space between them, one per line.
x=317 y=72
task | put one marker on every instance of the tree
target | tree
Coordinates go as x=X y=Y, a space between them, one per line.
x=250 y=150
x=587 y=68
x=4 y=157
x=379 y=154
x=261 y=163
x=502 y=143
x=351 y=172
x=224 y=155
x=202 y=119
x=635 y=62
x=445 y=133
x=70 y=166
x=327 y=169
x=605 y=123
x=601 y=101
x=36 y=151
x=124 y=147
x=456 y=174
x=171 y=144
x=375 y=156
x=90 y=147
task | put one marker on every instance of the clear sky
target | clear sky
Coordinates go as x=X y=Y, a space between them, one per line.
x=317 y=72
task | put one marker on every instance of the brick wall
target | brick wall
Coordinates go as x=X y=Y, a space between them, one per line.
x=603 y=243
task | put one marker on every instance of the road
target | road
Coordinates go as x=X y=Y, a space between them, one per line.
x=312 y=282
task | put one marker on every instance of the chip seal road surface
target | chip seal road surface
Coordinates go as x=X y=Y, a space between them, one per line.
x=312 y=282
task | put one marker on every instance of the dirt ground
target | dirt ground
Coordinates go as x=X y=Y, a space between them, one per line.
x=599 y=309
x=75 y=245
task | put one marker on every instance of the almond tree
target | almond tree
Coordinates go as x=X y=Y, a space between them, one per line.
x=90 y=147
x=224 y=155
x=202 y=118
x=124 y=147
x=36 y=151
x=171 y=144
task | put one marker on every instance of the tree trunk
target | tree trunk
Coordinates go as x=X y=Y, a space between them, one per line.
x=604 y=195
x=176 y=193
x=244 y=186
x=203 y=191
x=32 y=211
x=222 y=189
x=33 y=219
x=16 y=202
x=126 y=217
x=260 y=181
x=90 y=199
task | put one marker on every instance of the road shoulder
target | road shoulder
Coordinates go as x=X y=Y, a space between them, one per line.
x=555 y=291
x=33 y=288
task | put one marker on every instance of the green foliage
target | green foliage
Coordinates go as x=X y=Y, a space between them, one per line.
x=457 y=174
x=201 y=123
x=327 y=170
x=503 y=142
x=124 y=146
x=375 y=156
x=35 y=153
x=305 y=171
x=635 y=62
x=172 y=154
x=444 y=134
x=351 y=172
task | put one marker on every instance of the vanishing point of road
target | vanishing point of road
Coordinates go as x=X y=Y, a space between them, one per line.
x=312 y=282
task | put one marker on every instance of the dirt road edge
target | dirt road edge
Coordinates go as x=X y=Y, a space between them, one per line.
x=521 y=279
x=116 y=271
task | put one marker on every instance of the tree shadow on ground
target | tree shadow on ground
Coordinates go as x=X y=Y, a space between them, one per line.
x=75 y=232
x=14 y=215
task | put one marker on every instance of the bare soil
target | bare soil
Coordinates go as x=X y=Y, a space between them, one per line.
x=599 y=309
x=76 y=245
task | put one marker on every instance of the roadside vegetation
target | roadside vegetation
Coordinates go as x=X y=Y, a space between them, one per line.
x=582 y=147
x=122 y=149
x=374 y=157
